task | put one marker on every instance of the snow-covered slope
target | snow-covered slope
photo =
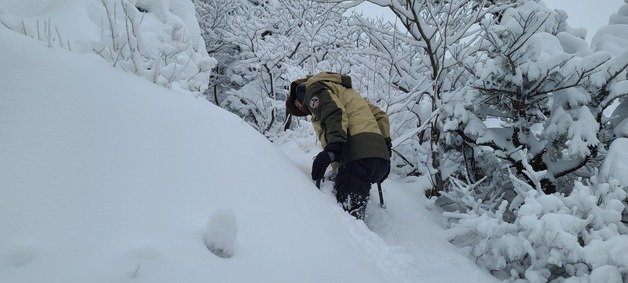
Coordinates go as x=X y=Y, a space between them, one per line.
x=106 y=177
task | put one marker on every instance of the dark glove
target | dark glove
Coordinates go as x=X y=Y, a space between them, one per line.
x=332 y=153
x=389 y=145
x=321 y=162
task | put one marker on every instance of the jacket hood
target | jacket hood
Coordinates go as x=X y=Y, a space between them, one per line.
x=343 y=80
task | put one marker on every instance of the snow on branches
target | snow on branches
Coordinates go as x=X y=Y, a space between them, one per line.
x=159 y=41
x=552 y=236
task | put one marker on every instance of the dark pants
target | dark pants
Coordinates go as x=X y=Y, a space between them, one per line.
x=353 y=183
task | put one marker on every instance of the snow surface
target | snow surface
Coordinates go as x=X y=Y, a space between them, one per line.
x=615 y=165
x=107 y=177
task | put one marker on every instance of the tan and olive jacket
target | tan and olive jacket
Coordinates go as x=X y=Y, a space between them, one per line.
x=340 y=114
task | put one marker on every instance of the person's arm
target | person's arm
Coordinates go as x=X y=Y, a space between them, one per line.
x=327 y=109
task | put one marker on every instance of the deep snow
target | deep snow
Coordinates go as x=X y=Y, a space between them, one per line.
x=106 y=177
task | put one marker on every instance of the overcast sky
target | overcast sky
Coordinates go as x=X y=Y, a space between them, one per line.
x=589 y=14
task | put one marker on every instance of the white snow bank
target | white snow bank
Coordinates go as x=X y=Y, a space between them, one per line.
x=621 y=130
x=69 y=20
x=109 y=178
x=615 y=165
x=613 y=38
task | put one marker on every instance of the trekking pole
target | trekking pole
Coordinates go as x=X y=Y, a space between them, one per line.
x=381 y=196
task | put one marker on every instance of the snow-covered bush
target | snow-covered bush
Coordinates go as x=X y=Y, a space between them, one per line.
x=613 y=39
x=552 y=236
x=215 y=18
x=547 y=91
x=158 y=40
x=536 y=113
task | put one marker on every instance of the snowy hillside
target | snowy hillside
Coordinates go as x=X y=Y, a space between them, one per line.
x=109 y=178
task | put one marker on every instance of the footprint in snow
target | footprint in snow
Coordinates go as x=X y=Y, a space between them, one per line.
x=221 y=232
x=21 y=256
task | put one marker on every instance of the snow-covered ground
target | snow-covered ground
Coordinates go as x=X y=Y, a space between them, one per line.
x=106 y=177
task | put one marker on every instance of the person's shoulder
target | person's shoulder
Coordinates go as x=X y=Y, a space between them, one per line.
x=315 y=88
x=323 y=76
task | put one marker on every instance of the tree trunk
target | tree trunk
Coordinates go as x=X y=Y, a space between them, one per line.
x=438 y=183
x=216 y=94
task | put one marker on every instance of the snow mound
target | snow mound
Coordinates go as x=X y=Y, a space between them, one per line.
x=27 y=7
x=221 y=233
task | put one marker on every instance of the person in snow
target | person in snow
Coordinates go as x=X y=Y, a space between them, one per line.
x=354 y=133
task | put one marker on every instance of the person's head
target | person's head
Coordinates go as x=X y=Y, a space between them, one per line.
x=296 y=97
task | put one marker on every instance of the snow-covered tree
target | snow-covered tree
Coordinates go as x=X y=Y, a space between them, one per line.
x=613 y=39
x=544 y=87
x=268 y=44
x=545 y=91
x=214 y=19
x=418 y=65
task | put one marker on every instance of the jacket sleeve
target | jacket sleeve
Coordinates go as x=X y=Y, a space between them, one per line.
x=382 y=120
x=330 y=112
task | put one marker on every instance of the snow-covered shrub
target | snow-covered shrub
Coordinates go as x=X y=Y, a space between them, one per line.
x=214 y=19
x=261 y=112
x=552 y=237
x=536 y=112
x=158 y=40
x=546 y=89
x=613 y=39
